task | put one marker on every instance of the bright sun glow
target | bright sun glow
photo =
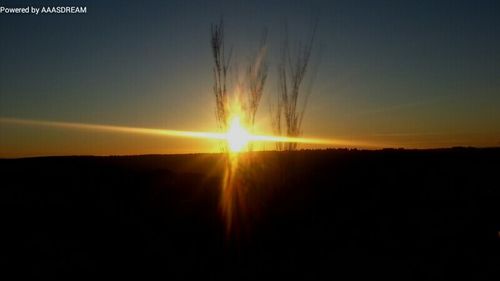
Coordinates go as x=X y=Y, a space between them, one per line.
x=237 y=136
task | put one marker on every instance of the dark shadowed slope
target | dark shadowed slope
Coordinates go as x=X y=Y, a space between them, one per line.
x=432 y=214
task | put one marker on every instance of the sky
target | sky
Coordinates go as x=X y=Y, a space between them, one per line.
x=414 y=74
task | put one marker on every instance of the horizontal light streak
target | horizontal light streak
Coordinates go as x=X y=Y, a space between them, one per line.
x=178 y=133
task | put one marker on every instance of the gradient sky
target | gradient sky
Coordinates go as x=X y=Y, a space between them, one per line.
x=405 y=73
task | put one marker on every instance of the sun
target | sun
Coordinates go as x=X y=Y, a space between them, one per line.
x=237 y=136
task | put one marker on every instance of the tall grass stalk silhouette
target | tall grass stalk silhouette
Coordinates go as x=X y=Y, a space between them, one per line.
x=242 y=103
x=220 y=71
x=291 y=72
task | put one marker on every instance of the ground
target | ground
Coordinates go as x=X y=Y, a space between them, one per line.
x=430 y=214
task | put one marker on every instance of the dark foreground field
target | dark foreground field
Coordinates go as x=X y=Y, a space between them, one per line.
x=336 y=214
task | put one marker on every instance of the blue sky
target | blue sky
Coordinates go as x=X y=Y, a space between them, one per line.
x=414 y=73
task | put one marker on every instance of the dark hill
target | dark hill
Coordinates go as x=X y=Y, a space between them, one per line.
x=430 y=214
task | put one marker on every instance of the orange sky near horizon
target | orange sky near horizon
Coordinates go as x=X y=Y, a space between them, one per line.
x=29 y=140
